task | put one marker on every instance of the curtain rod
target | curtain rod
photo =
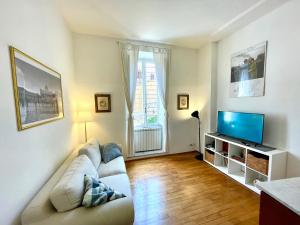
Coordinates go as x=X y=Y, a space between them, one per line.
x=155 y=45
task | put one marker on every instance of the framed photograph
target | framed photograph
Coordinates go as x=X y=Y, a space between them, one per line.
x=37 y=91
x=182 y=101
x=248 y=72
x=102 y=103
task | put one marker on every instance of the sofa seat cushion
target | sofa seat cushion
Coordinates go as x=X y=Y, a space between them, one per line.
x=119 y=183
x=113 y=167
x=98 y=193
x=69 y=190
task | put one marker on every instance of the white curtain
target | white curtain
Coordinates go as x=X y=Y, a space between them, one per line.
x=161 y=58
x=129 y=58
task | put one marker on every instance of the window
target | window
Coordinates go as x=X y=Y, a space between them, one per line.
x=146 y=104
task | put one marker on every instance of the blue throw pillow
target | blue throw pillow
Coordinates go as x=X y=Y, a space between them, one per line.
x=110 y=151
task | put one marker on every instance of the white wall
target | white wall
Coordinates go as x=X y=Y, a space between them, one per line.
x=29 y=157
x=97 y=68
x=183 y=79
x=281 y=101
x=207 y=97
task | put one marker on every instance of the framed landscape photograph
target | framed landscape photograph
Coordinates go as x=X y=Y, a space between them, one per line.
x=37 y=91
x=248 y=72
x=182 y=101
x=102 y=103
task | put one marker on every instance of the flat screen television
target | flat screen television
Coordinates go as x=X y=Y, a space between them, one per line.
x=244 y=126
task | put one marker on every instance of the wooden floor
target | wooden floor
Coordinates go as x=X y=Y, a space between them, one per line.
x=179 y=190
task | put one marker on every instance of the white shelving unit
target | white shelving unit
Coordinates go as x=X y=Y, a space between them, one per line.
x=221 y=159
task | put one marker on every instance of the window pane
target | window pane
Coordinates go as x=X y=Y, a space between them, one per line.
x=152 y=94
x=139 y=99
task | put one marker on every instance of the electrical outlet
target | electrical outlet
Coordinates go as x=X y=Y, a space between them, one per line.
x=192 y=146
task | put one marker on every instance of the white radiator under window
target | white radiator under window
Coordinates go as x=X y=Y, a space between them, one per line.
x=147 y=138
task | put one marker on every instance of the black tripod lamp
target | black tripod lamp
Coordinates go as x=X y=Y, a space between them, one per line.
x=196 y=115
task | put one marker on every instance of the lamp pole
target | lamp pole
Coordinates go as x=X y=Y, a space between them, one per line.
x=85 y=131
x=196 y=115
x=199 y=137
x=199 y=156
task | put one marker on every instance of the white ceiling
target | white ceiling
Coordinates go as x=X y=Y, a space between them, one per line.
x=188 y=23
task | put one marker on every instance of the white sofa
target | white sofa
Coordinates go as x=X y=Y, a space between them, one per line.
x=40 y=211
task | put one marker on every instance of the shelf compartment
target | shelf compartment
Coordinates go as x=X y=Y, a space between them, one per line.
x=222 y=146
x=237 y=153
x=210 y=149
x=220 y=160
x=223 y=154
x=236 y=161
x=237 y=171
x=209 y=156
x=257 y=172
x=210 y=143
x=258 y=162
x=252 y=176
x=222 y=169
x=221 y=163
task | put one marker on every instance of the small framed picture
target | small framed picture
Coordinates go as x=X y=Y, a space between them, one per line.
x=182 y=101
x=102 y=103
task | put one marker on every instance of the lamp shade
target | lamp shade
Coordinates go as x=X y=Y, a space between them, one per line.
x=195 y=114
x=84 y=116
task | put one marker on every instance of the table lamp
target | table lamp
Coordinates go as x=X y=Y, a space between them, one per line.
x=84 y=116
x=196 y=115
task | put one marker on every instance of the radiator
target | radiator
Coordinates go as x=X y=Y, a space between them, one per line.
x=147 y=139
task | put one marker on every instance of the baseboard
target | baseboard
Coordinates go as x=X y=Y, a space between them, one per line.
x=158 y=155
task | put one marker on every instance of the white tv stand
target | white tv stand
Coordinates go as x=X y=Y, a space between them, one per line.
x=238 y=170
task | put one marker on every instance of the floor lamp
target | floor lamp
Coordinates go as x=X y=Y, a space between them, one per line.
x=84 y=117
x=199 y=156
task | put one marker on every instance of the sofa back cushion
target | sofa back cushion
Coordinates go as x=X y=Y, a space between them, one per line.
x=92 y=150
x=68 y=193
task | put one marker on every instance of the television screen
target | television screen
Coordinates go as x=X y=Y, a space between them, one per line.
x=245 y=126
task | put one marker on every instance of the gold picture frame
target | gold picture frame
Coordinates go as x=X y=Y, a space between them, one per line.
x=102 y=103
x=37 y=91
x=182 y=101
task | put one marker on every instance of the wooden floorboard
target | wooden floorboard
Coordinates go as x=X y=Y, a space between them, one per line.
x=180 y=190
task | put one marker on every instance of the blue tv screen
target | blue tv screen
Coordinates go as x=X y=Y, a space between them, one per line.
x=245 y=126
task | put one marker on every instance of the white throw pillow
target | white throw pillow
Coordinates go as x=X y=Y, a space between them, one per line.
x=92 y=151
x=68 y=192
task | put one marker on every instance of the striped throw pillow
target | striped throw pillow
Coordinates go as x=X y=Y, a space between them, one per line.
x=98 y=193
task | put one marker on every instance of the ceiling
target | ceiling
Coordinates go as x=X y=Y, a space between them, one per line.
x=188 y=23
